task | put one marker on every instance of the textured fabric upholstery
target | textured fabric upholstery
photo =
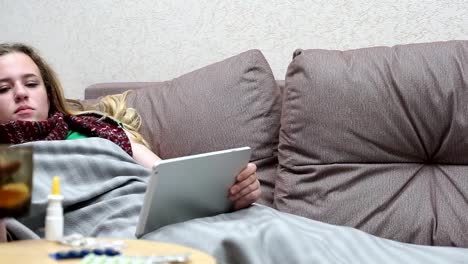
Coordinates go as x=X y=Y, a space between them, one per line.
x=232 y=103
x=376 y=139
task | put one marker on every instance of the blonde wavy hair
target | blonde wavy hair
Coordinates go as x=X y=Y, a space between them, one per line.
x=114 y=106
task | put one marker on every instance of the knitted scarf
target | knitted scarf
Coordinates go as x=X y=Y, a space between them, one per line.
x=57 y=126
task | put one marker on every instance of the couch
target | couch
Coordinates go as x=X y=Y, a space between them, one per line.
x=373 y=138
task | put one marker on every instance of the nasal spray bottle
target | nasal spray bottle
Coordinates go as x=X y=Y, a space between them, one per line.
x=54 y=214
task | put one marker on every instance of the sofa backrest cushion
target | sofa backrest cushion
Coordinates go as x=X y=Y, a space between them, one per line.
x=232 y=103
x=377 y=139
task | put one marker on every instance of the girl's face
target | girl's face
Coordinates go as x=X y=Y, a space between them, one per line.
x=23 y=95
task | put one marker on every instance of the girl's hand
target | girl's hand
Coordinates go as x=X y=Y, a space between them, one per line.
x=246 y=189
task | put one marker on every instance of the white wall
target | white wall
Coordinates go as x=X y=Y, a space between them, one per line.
x=149 y=40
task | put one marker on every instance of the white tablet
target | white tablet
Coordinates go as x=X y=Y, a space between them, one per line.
x=189 y=187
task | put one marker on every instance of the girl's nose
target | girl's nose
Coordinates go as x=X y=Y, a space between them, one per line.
x=21 y=93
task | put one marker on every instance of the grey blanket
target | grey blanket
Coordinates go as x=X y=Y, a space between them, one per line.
x=104 y=187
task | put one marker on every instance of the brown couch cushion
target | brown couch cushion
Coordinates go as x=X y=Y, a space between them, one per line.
x=377 y=139
x=232 y=103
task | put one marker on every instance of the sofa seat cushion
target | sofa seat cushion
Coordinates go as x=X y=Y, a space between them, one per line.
x=377 y=139
x=232 y=103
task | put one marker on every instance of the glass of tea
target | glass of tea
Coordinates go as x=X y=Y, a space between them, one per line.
x=16 y=170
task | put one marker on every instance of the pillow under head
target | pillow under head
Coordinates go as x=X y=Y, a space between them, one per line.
x=231 y=103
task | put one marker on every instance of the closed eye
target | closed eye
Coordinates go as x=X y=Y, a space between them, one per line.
x=32 y=85
x=4 y=89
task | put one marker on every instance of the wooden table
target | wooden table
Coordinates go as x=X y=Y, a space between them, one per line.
x=37 y=251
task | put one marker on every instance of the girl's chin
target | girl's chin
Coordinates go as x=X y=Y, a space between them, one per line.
x=31 y=118
x=21 y=118
x=28 y=119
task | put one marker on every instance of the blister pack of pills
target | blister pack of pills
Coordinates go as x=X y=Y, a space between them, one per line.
x=103 y=259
